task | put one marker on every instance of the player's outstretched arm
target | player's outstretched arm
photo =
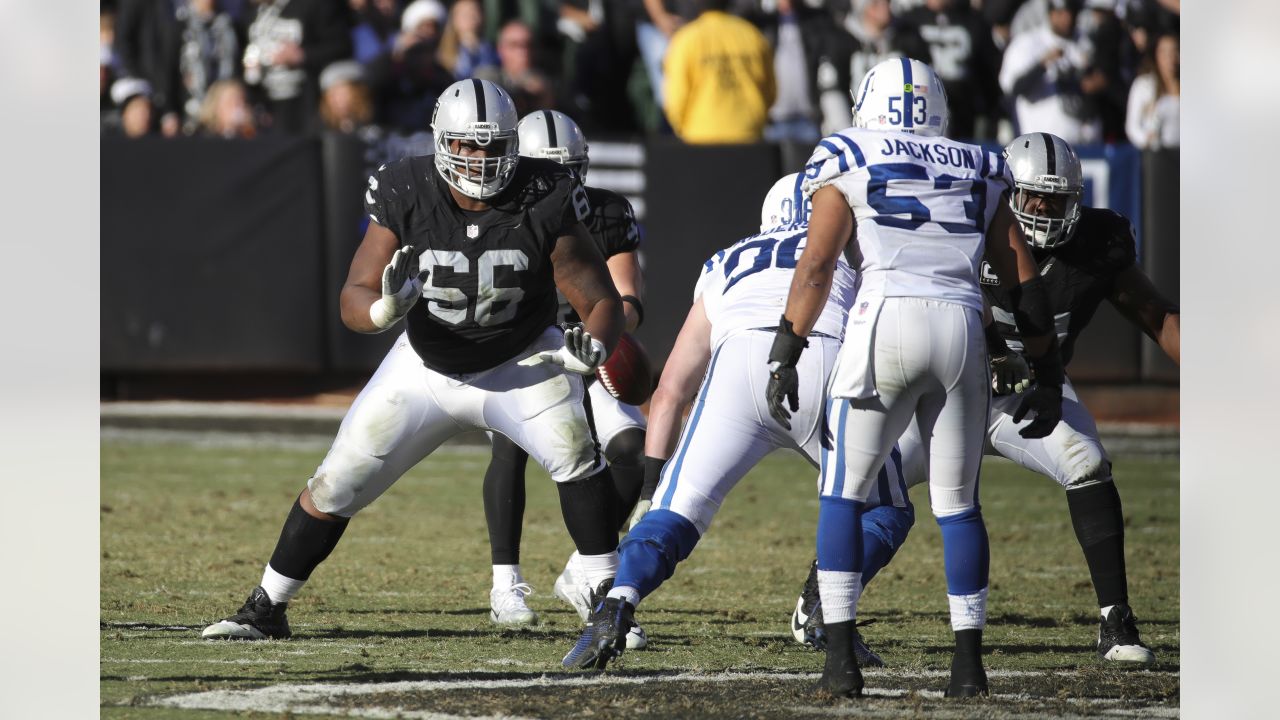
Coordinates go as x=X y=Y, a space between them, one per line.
x=1137 y=298
x=364 y=285
x=583 y=277
x=1011 y=259
x=681 y=376
x=830 y=229
x=624 y=269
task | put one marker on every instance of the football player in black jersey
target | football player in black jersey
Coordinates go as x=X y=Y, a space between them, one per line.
x=1086 y=255
x=468 y=248
x=619 y=428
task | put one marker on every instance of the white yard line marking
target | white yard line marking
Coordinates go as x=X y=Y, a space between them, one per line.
x=314 y=698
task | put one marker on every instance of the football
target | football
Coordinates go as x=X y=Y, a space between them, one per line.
x=627 y=374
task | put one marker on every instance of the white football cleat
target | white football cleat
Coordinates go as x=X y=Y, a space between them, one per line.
x=573 y=589
x=636 y=639
x=508 y=606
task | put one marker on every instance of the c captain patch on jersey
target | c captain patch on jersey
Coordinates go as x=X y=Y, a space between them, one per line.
x=490 y=291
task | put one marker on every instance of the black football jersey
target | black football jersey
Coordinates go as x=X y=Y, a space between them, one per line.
x=491 y=289
x=612 y=224
x=1078 y=276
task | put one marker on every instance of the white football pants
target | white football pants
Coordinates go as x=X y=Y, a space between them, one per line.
x=729 y=429
x=930 y=361
x=406 y=411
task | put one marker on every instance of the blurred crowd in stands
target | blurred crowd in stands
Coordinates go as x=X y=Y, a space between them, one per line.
x=709 y=71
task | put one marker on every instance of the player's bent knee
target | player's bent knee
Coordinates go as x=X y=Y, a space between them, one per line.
x=889 y=523
x=670 y=533
x=626 y=448
x=338 y=487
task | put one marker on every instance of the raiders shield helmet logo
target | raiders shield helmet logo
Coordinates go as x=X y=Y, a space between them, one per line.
x=473 y=231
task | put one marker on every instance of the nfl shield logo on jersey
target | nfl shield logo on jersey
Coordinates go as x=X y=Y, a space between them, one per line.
x=473 y=231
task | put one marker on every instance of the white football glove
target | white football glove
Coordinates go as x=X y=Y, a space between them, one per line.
x=401 y=288
x=1010 y=374
x=581 y=353
x=642 y=507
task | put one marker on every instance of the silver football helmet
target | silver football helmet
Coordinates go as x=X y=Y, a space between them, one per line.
x=903 y=95
x=553 y=135
x=1046 y=177
x=785 y=205
x=481 y=114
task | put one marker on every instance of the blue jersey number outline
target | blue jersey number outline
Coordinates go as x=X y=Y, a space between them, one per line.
x=889 y=207
x=770 y=252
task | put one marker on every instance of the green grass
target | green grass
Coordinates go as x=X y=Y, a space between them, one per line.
x=187 y=528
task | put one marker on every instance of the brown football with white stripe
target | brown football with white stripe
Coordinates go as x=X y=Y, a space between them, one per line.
x=627 y=374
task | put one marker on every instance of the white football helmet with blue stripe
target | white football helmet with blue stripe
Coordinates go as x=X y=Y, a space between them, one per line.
x=786 y=204
x=902 y=95
x=480 y=113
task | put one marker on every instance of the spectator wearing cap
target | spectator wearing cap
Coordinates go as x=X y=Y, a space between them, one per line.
x=290 y=42
x=1050 y=75
x=961 y=51
x=718 y=81
x=462 y=49
x=1154 y=98
x=409 y=80
x=225 y=112
x=346 y=104
x=135 y=115
x=518 y=72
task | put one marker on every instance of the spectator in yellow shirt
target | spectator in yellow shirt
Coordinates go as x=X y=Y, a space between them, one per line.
x=718 y=79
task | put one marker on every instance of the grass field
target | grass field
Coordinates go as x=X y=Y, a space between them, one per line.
x=395 y=624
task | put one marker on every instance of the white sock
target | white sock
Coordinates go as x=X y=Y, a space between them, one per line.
x=596 y=569
x=968 y=612
x=280 y=588
x=629 y=594
x=1106 y=610
x=505 y=576
x=839 y=592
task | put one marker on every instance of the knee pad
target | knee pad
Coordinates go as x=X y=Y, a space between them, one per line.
x=1083 y=463
x=669 y=535
x=626 y=448
x=889 y=523
x=338 y=485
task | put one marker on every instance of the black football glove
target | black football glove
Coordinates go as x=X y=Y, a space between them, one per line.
x=1044 y=397
x=784 y=381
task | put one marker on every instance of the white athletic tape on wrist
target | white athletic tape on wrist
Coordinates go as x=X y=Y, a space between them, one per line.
x=383 y=314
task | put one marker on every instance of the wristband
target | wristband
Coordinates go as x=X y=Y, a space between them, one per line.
x=382 y=314
x=996 y=346
x=1048 y=367
x=652 y=476
x=635 y=303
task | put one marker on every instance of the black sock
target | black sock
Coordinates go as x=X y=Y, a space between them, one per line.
x=504 y=500
x=969 y=643
x=1098 y=520
x=588 y=506
x=305 y=542
x=625 y=453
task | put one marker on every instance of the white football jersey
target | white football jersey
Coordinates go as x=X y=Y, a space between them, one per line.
x=922 y=207
x=745 y=285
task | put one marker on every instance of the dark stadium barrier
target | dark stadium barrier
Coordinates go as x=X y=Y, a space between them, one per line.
x=698 y=199
x=230 y=255
x=1160 y=175
x=210 y=255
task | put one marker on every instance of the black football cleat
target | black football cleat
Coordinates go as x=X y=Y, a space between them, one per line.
x=968 y=679
x=866 y=658
x=605 y=636
x=841 y=676
x=258 y=619
x=806 y=620
x=1118 y=639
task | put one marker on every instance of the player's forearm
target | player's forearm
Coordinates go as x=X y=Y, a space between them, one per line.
x=605 y=320
x=665 y=408
x=810 y=286
x=354 y=305
x=624 y=270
